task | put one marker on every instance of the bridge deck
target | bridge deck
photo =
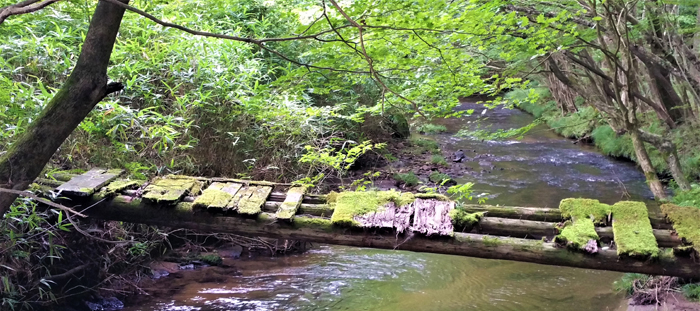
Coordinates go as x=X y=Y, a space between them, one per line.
x=387 y=219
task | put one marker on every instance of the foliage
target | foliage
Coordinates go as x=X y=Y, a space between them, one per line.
x=408 y=179
x=330 y=161
x=438 y=159
x=630 y=281
x=429 y=128
x=464 y=192
x=691 y=291
x=688 y=198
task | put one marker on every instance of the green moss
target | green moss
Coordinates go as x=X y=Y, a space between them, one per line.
x=214 y=198
x=313 y=222
x=686 y=222
x=584 y=214
x=491 y=241
x=118 y=186
x=632 y=229
x=211 y=259
x=585 y=208
x=171 y=188
x=332 y=197
x=577 y=234
x=464 y=221
x=350 y=204
x=409 y=179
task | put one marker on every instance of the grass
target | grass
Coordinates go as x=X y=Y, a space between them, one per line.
x=409 y=179
x=429 y=128
x=438 y=178
x=438 y=159
x=691 y=291
x=425 y=145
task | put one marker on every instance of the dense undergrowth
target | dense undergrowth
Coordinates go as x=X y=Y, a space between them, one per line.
x=192 y=105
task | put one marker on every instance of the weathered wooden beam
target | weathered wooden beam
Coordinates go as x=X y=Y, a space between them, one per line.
x=543 y=214
x=320 y=230
x=291 y=203
x=86 y=184
x=516 y=227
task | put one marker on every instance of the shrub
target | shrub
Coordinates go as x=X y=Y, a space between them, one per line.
x=409 y=179
x=430 y=128
x=438 y=159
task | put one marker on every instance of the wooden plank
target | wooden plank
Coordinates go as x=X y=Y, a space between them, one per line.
x=291 y=203
x=633 y=233
x=217 y=195
x=382 y=218
x=170 y=189
x=244 y=192
x=252 y=205
x=86 y=184
x=432 y=217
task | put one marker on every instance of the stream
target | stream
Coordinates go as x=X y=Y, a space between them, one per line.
x=538 y=170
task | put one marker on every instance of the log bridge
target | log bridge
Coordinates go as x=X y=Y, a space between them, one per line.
x=623 y=237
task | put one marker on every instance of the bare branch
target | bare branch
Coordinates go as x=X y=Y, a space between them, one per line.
x=24 y=7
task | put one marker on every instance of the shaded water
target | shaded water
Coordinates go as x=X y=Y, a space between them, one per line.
x=539 y=170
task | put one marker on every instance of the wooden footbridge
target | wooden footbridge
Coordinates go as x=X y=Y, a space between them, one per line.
x=581 y=233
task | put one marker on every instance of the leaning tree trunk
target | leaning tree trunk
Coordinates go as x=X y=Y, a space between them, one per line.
x=645 y=162
x=86 y=86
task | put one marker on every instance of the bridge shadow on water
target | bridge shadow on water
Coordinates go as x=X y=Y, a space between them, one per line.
x=539 y=170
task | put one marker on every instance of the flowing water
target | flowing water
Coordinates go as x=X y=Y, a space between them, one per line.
x=538 y=170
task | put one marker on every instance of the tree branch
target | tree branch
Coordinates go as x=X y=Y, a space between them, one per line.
x=24 y=7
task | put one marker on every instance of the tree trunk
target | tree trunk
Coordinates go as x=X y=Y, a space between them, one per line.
x=86 y=86
x=319 y=230
x=643 y=159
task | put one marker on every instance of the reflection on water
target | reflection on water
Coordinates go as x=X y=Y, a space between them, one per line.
x=539 y=170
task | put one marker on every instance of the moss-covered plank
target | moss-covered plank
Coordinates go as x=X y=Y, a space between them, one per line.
x=120 y=185
x=349 y=204
x=291 y=203
x=170 y=189
x=86 y=184
x=632 y=229
x=583 y=214
x=252 y=204
x=217 y=195
x=686 y=222
x=432 y=216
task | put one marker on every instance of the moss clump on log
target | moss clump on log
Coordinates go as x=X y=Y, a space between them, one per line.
x=576 y=234
x=312 y=222
x=464 y=221
x=585 y=208
x=686 y=222
x=583 y=214
x=633 y=233
x=354 y=203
